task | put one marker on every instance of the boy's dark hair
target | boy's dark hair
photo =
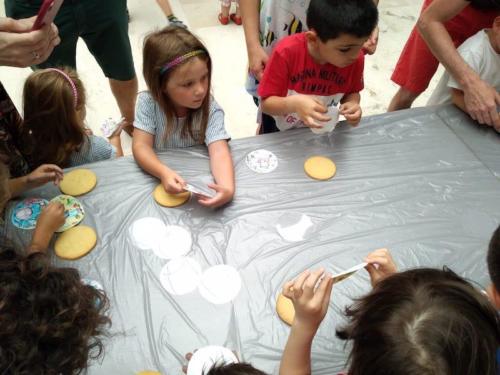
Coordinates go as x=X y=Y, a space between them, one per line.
x=426 y=322
x=234 y=369
x=493 y=259
x=331 y=18
x=50 y=322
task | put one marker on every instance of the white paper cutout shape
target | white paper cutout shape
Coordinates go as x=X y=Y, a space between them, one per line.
x=261 y=161
x=328 y=126
x=294 y=232
x=205 y=358
x=175 y=242
x=146 y=233
x=345 y=274
x=180 y=276
x=220 y=284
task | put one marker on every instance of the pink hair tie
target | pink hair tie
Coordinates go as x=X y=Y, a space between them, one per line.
x=70 y=81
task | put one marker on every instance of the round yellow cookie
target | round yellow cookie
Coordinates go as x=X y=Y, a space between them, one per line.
x=78 y=182
x=320 y=168
x=75 y=242
x=170 y=200
x=285 y=309
x=149 y=373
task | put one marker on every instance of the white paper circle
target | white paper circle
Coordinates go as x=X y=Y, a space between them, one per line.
x=94 y=284
x=261 y=161
x=294 y=232
x=146 y=233
x=205 y=358
x=180 y=275
x=175 y=242
x=220 y=284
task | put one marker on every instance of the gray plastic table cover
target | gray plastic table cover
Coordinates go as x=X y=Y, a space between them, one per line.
x=424 y=183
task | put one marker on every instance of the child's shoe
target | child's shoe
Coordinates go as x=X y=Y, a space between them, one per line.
x=174 y=21
x=224 y=20
x=236 y=19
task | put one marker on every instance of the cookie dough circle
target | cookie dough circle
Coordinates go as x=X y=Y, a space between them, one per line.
x=78 y=182
x=149 y=373
x=75 y=242
x=285 y=309
x=169 y=200
x=320 y=168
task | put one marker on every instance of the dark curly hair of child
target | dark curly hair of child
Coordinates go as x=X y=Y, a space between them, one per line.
x=50 y=322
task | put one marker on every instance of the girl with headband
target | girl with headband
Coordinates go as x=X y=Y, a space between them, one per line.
x=178 y=111
x=54 y=130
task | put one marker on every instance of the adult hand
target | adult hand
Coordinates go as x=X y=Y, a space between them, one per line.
x=21 y=47
x=257 y=60
x=482 y=102
x=310 y=110
x=44 y=174
x=223 y=195
x=380 y=265
x=310 y=298
x=370 y=45
x=351 y=111
x=172 y=182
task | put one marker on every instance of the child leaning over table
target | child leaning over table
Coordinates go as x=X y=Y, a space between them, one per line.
x=178 y=111
x=320 y=68
x=482 y=53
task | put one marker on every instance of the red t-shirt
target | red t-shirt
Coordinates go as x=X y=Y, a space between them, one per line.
x=291 y=70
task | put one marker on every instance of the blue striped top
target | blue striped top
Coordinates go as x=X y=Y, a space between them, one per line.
x=150 y=118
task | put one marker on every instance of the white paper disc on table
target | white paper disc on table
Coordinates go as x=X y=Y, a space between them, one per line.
x=175 y=242
x=205 y=358
x=295 y=229
x=180 y=276
x=94 y=284
x=147 y=232
x=261 y=161
x=220 y=284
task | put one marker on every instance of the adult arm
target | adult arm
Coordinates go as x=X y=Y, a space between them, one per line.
x=21 y=47
x=145 y=156
x=257 y=57
x=480 y=98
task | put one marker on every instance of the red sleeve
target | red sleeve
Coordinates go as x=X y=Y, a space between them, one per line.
x=357 y=83
x=275 y=79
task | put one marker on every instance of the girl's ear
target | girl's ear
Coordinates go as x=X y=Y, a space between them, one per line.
x=494 y=296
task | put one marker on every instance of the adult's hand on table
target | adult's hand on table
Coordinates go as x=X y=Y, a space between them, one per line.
x=482 y=102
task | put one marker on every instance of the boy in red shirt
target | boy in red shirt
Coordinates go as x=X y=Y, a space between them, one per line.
x=311 y=71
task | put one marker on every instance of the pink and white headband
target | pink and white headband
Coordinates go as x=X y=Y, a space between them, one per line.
x=70 y=81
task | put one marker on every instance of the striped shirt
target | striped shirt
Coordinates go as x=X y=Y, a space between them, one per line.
x=150 y=118
x=93 y=149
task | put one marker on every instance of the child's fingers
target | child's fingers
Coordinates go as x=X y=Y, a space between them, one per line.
x=311 y=282
x=298 y=285
x=318 y=116
x=309 y=121
x=322 y=289
x=320 y=107
x=288 y=289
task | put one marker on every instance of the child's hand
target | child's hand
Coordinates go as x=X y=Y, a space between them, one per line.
x=51 y=218
x=172 y=182
x=310 y=110
x=380 y=265
x=44 y=174
x=223 y=195
x=352 y=112
x=310 y=304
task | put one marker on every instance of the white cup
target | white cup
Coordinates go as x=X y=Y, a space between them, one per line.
x=328 y=126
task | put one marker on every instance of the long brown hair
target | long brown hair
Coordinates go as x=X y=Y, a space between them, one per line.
x=52 y=129
x=161 y=47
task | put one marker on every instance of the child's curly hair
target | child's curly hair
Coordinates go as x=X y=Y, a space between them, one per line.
x=50 y=322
